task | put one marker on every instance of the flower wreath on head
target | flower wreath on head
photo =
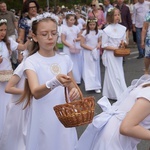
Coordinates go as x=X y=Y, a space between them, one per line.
x=69 y=12
x=3 y=21
x=110 y=9
x=92 y=20
x=45 y=15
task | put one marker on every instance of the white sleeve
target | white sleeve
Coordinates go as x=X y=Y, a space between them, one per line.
x=19 y=70
x=133 y=15
x=144 y=92
x=83 y=33
x=64 y=27
x=29 y=65
x=104 y=40
x=13 y=44
x=100 y=32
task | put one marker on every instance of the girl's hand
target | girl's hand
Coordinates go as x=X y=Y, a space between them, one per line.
x=74 y=94
x=1 y=59
x=98 y=46
x=71 y=47
x=75 y=40
x=64 y=79
x=122 y=44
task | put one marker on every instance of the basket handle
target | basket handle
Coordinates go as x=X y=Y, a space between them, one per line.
x=76 y=86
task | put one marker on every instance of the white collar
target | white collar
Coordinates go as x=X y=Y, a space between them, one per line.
x=115 y=30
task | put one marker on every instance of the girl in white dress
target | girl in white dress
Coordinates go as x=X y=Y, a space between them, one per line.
x=122 y=125
x=91 y=42
x=60 y=27
x=16 y=117
x=70 y=35
x=47 y=72
x=6 y=47
x=113 y=36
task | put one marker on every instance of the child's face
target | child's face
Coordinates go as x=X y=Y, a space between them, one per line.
x=3 y=29
x=92 y=25
x=71 y=21
x=116 y=16
x=46 y=35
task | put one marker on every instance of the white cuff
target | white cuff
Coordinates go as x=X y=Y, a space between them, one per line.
x=53 y=83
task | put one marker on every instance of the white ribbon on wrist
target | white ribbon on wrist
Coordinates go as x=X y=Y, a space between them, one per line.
x=53 y=83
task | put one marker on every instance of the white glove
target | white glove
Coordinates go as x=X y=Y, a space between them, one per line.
x=95 y=54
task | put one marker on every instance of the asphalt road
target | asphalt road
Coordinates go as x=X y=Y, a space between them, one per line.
x=133 y=68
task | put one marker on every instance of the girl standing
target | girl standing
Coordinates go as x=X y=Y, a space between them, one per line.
x=16 y=116
x=91 y=42
x=113 y=36
x=70 y=36
x=6 y=47
x=47 y=72
x=60 y=27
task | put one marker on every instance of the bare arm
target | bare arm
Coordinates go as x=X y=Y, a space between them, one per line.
x=99 y=42
x=23 y=46
x=130 y=125
x=38 y=91
x=16 y=25
x=82 y=43
x=143 y=35
x=63 y=39
x=21 y=35
x=11 y=85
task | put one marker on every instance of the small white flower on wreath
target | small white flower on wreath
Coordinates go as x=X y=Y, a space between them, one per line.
x=110 y=9
x=3 y=21
x=45 y=15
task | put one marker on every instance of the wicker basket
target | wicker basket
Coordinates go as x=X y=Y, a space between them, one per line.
x=76 y=113
x=5 y=75
x=122 y=52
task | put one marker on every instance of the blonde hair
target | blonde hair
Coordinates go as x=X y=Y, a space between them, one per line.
x=110 y=15
x=96 y=3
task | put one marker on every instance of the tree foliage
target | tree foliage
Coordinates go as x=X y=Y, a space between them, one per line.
x=17 y=4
